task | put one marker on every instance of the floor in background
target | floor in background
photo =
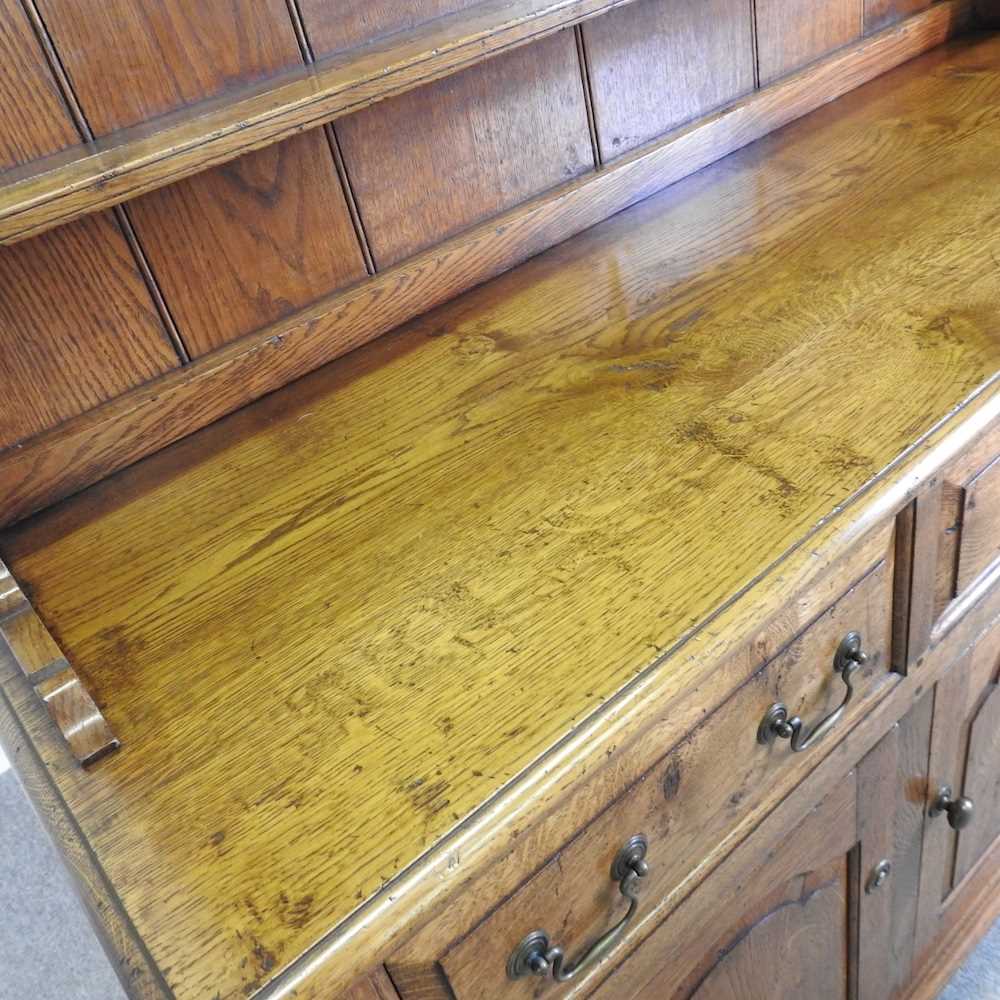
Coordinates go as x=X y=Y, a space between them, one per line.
x=49 y=952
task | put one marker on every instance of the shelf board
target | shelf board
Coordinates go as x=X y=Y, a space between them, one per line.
x=56 y=189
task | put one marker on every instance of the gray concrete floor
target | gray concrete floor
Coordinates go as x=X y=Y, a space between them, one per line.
x=48 y=950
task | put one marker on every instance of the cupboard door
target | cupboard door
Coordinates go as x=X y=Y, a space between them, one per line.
x=775 y=920
x=892 y=784
x=963 y=797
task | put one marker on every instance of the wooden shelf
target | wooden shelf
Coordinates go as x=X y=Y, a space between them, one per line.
x=54 y=190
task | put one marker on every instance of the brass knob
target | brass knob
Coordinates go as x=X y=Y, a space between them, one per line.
x=959 y=811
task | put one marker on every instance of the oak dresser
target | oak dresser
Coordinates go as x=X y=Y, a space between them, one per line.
x=502 y=499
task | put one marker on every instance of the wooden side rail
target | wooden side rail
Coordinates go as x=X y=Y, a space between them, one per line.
x=42 y=662
x=65 y=186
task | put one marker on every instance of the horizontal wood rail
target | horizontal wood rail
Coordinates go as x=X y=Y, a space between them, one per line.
x=83 y=450
x=54 y=190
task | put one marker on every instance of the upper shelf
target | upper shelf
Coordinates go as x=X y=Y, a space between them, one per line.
x=56 y=189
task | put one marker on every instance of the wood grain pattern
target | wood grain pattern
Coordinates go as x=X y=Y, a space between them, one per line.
x=112 y=437
x=980 y=526
x=33 y=117
x=684 y=952
x=240 y=246
x=177 y=145
x=249 y=243
x=42 y=663
x=535 y=397
x=656 y=64
x=353 y=22
x=793 y=33
x=437 y=160
x=376 y=986
x=77 y=326
x=892 y=797
x=881 y=13
x=690 y=804
x=168 y=54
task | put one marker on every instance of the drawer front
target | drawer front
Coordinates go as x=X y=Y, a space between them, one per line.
x=705 y=794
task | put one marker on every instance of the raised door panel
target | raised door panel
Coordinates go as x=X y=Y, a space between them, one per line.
x=333 y=26
x=656 y=64
x=77 y=323
x=793 y=33
x=244 y=244
x=881 y=13
x=438 y=159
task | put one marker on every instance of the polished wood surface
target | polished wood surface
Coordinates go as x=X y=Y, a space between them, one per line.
x=164 y=150
x=437 y=160
x=77 y=326
x=516 y=474
x=657 y=64
x=235 y=247
x=792 y=33
x=111 y=437
x=880 y=13
x=250 y=242
x=33 y=118
x=353 y=22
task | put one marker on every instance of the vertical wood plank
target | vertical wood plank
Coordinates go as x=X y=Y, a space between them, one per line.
x=793 y=33
x=245 y=244
x=659 y=63
x=881 y=13
x=77 y=325
x=436 y=160
x=336 y=26
x=248 y=243
x=130 y=60
x=33 y=117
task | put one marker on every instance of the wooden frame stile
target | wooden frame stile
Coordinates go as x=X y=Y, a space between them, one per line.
x=81 y=451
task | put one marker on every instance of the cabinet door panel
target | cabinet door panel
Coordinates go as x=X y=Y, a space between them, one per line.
x=793 y=944
x=982 y=784
x=892 y=795
x=773 y=920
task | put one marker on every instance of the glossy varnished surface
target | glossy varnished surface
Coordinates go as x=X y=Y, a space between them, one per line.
x=331 y=625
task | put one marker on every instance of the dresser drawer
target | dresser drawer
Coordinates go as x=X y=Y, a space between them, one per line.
x=704 y=794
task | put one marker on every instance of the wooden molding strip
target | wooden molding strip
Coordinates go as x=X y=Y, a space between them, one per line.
x=56 y=683
x=52 y=465
x=54 y=190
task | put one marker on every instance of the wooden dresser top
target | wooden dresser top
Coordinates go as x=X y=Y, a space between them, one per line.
x=332 y=625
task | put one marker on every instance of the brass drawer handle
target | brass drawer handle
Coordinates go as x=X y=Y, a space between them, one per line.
x=776 y=724
x=536 y=956
x=959 y=811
